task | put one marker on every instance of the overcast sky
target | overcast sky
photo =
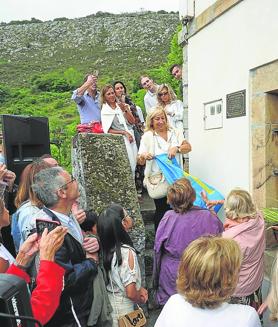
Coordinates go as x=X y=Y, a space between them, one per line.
x=49 y=9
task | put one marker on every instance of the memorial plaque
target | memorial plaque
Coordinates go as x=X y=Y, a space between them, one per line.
x=235 y=104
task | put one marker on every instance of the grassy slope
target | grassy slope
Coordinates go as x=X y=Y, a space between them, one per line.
x=121 y=47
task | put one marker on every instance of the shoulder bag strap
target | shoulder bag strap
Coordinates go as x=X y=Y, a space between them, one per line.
x=51 y=214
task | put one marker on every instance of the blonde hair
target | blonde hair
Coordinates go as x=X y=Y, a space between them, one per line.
x=172 y=94
x=181 y=195
x=149 y=121
x=239 y=204
x=273 y=305
x=208 y=271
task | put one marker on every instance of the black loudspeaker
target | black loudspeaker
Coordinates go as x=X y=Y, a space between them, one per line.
x=14 y=300
x=24 y=139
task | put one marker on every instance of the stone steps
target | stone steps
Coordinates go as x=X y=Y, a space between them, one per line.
x=147 y=212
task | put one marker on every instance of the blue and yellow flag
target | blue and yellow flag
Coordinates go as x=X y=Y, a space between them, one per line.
x=172 y=171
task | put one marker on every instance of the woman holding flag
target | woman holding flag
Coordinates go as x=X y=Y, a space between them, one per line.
x=159 y=138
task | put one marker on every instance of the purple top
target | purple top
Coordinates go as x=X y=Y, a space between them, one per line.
x=174 y=233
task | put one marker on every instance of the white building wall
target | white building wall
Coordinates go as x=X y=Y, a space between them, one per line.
x=219 y=59
x=201 y=5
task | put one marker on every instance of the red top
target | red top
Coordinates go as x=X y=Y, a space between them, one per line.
x=45 y=298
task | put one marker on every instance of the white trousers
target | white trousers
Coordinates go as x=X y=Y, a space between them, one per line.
x=121 y=305
x=131 y=152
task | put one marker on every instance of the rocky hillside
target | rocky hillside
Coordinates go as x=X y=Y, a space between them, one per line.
x=117 y=45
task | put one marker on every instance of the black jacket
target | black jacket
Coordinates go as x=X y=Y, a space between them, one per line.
x=78 y=284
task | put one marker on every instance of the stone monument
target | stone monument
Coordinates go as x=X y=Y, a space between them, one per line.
x=100 y=164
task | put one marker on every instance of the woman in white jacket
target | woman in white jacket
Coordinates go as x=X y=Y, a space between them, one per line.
x=117 y=118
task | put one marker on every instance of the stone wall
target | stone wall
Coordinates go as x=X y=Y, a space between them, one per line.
x=101 y=165
x=264 y=134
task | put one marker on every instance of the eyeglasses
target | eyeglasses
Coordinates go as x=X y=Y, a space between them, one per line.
x=162 y=94
x=73 y=179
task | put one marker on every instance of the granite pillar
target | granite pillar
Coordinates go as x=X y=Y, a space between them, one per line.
x=100 y=164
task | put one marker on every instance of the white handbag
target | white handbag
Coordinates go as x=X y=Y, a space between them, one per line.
x=156 y=185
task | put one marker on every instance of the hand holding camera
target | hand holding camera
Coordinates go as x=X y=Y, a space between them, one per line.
x=92 y=80
x=51 y=242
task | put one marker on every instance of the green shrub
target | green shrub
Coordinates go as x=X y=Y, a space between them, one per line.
x=5 y=93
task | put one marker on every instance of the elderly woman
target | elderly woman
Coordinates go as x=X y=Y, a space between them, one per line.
x=118 y=119
x=207 y=277
x=178 y=228
x=167 y=99
x=159 y=138
x=245 y=225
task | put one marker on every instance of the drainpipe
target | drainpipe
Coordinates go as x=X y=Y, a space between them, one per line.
x=183 y=42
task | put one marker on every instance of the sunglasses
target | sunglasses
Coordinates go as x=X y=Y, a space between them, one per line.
x=162 y=94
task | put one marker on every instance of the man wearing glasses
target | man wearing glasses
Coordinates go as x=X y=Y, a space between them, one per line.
x=58 y=190
x=150 y=98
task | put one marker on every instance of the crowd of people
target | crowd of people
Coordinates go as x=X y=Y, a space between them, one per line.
x=114 y=109
x=83 y=270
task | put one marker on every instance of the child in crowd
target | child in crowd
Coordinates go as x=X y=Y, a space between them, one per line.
x=245 y=225
x=89 y=225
